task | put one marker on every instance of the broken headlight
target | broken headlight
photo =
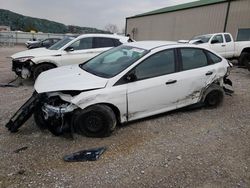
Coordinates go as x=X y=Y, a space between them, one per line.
x=24 y=59
x=229 y=68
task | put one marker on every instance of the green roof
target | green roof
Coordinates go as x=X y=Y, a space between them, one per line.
x=180 y=7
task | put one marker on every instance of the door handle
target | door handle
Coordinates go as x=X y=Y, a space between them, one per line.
x=171 y=82
x=223 y=45
x=209 y=73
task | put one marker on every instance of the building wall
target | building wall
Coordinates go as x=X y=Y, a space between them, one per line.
x=184 y=24
x=239 y=16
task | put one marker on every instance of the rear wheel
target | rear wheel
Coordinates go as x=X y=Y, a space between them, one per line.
x=244 y=59
x=95 y=121
x=41 y=68
x=214 y=98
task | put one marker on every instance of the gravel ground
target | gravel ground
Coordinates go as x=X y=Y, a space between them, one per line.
x=187 y=148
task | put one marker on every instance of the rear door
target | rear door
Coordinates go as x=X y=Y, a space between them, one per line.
x=196 y=73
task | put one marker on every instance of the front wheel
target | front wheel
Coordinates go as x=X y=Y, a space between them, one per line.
x=95 y=121
x=41 y=68
x=42 y=123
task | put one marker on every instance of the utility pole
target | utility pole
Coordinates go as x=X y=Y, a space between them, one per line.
x=226 y=19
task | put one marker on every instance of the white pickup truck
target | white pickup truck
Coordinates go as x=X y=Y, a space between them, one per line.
x=223 y=44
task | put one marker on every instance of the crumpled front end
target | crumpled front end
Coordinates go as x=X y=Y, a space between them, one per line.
x=22 y=69
x=50 y=112
x=54 y=114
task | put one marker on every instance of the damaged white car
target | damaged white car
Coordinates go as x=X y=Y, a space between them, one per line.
x=126 y=83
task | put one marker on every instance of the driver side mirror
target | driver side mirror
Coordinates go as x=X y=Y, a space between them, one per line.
x=215 y=41
x=131 y=77
x=69 y=49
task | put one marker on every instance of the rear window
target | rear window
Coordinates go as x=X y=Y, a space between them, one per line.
x=193 y=58
x=102 y=42
x=228 y=38
x=117 y=42
x=214 y=58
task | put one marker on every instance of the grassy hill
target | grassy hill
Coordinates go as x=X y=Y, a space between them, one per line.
x=26 y=23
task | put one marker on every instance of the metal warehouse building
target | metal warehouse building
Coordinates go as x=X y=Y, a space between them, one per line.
x=187 y=20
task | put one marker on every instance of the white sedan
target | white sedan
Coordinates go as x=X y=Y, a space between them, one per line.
x=126 y=83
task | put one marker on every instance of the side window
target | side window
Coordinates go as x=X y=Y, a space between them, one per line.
x=228 y=38
x=85 y=43
x=214 y=58
x=193 y=58
x=101 y=42
x=116 y=42
x=46 y=42
x=156 y=65
x=55 y=40
x=217 y=39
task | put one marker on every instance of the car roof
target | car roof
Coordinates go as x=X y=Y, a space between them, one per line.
x=102 y=35
x=149 y=45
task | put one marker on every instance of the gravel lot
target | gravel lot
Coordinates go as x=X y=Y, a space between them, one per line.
x=188 y=148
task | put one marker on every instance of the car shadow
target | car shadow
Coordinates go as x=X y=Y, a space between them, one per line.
x=190 y=108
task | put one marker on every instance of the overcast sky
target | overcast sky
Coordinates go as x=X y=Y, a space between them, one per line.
x=92 y=13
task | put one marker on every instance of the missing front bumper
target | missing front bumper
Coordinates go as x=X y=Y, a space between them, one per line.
x=23 y=113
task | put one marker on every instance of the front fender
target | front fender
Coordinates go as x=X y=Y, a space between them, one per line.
x=115 y=96
x=48 y=59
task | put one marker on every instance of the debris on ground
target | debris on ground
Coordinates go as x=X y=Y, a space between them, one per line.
x=21 y=149
x=85 y=155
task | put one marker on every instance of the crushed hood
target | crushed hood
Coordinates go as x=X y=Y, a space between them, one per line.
x=38 y=52
x=68 y=78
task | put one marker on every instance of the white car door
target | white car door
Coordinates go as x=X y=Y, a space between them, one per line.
x=218 y=44
x=156 y=87
x=79 y=52
x=195 y=75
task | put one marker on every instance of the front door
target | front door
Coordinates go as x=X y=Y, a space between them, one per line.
x=218 y=44
x=154 y=90
x=82 y=51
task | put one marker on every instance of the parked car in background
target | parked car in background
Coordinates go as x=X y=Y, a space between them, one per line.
x=223 y=44
x=44 y=43
x=129 y=82
x=31 y=41
x=70 y=50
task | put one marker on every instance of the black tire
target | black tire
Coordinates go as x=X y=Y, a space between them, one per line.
x=43 y=124
x=41 y=68
x=244 y=60
x=214 y=98
x=39 y=119
x=95 y=121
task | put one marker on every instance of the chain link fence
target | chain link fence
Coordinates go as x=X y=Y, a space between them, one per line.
x=11 y=38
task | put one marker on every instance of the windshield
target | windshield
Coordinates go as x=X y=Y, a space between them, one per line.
x=61 y=43
x=112 y=62
x=201 y=39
